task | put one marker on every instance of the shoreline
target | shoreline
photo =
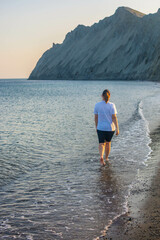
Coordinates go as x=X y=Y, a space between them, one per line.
x=142 y=221
x=89 y=80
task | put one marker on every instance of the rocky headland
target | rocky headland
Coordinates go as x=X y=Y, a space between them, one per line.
x=124 y=46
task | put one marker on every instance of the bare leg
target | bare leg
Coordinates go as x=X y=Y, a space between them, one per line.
x=101 y=152
x=107 y=149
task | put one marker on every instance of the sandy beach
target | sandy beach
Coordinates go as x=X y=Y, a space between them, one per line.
x=143 y=218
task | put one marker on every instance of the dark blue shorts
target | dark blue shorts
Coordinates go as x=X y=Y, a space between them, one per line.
x=105 y=136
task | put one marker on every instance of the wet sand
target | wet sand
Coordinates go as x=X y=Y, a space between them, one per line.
x=143 y=218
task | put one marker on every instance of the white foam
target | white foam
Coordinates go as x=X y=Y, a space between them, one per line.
x=29 y=237
x=103 y=232
x=91 y=218
x=147 y=132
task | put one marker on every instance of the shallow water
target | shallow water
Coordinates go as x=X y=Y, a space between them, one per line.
x=51 y=182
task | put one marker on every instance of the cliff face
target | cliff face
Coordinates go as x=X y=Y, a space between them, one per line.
x=123 y=46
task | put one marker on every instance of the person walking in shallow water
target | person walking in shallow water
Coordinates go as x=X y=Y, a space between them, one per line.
x=106 y=123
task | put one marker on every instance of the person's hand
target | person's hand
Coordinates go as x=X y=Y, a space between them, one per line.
x=117 y=132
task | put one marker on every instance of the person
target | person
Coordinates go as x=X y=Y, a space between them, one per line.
x=106 y=123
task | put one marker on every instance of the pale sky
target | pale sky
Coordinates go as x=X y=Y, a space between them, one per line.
x=29 y=27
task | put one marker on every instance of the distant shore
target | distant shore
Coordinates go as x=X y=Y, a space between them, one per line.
x=142 y=221
x=157 y=80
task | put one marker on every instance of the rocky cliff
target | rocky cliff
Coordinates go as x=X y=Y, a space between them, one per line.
x=124 y=46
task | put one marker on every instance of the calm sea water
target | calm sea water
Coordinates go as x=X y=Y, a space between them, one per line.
x=51 y=182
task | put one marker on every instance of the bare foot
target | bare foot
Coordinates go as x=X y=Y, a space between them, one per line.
x=107 y=159
x=102 y=161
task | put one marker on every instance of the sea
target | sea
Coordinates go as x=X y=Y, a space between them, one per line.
x=52 y=186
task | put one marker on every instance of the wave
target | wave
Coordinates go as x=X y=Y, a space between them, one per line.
x=136 y=137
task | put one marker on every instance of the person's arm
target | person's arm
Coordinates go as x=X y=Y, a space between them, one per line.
x=115 y=120
x=96 y=120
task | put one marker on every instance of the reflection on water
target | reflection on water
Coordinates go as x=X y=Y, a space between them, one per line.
x=111 y=195
x=72 y=204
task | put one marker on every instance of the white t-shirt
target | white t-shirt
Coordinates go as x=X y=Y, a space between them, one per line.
x=105 y=111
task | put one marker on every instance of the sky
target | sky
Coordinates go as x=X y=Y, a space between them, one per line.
x=29 y=27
